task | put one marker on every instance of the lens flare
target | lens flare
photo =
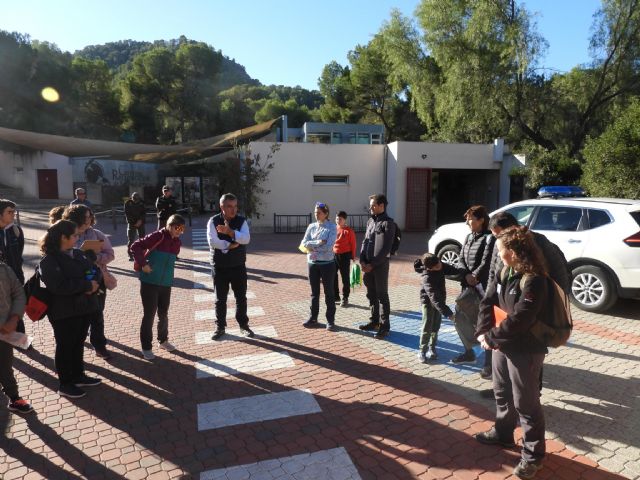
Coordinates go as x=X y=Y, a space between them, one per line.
x=50 y=94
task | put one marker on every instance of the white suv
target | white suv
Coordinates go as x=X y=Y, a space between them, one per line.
x=600 y=237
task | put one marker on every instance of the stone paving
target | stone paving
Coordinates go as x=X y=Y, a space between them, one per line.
x=293 y=403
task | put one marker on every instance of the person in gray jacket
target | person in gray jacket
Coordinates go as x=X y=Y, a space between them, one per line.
x=374 y=261
x=12 y=303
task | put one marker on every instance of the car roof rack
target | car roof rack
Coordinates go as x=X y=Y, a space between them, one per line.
x=561 y=191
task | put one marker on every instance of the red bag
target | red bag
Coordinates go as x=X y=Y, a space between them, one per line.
x=38 y=297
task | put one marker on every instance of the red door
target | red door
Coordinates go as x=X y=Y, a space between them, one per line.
x=47 y=184
x=418 y=199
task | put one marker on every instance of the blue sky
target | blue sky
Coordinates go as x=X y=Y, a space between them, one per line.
x=286 y=42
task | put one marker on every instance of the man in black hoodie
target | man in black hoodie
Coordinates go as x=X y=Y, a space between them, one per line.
x=374 y=261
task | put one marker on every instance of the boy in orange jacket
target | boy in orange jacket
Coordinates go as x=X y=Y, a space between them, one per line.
x=345 y=251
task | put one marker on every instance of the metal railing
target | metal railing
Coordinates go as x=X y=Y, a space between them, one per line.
x=117 y=213
x=298 y=223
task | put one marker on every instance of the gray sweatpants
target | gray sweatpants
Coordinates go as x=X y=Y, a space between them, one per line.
x=516 y=378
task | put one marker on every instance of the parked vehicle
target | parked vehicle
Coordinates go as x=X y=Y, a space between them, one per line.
x=600 y=237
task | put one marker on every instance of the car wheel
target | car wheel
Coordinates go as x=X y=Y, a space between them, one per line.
x=592 y=289
x=449 y=254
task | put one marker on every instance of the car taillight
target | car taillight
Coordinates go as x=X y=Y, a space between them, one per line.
x=633 y=240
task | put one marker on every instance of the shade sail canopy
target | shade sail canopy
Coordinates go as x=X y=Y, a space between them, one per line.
x=138 y=152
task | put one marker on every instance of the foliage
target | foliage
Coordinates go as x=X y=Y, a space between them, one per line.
x=550 y=167
x=612 y=161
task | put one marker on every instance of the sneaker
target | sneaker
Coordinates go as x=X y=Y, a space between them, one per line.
x=422 y=357
x=102 y=352
x=466 y=357
x=131 y=259
x=486 y=372
x=217 y=335
x=88 y=382
x=20 y=405
x=526 y=469
x=71 y=391
x=344 y=303
x=331 y=327
x=337 y=299
x=148 y=354
x=166 y=345
x=247 y=332
x=369 y=327
x=431 y=354
x=490 y=437
x=311 y=323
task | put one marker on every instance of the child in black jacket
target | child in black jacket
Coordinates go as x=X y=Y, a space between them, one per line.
x=433 y=297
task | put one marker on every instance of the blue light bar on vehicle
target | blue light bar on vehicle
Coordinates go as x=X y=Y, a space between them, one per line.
x=561 y=191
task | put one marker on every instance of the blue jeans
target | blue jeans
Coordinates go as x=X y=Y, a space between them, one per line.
x=325 y=272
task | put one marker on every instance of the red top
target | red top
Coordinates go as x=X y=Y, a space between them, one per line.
x=345 y=241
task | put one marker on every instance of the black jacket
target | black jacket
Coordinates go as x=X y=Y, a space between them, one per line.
x=378 y=239
x=556 y=262
x=134 y=211
x=67 y=278
x=433 y=290
x=166 y=207
x=475 y=257
x=524 y=308
x=11 y=248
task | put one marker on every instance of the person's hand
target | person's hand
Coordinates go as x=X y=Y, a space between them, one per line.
x=233 y=245
x=138 y=223
x=366 y=267
x=471 y=280
x=225 y=229
x=94 y=287
x=10 y=325
x=483 y=342
x=147 y=268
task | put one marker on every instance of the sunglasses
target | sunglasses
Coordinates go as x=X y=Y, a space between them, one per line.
x=178 y=228
x=321 y=205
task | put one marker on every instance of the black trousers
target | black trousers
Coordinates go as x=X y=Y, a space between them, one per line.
x=96 y=335
x=343 y=264
x=7 y=379
x=516 y=379
x=236 y=278
x=324 y=272
x=377 y=283
x=155 y=299
x=131 y=235
x=70 y=334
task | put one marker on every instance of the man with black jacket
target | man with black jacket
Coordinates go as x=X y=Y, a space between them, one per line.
x=135 y=212
x=374 y=261
x=166 y=205
x=228 y=234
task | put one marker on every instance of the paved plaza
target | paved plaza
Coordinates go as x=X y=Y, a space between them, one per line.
x=294 y=403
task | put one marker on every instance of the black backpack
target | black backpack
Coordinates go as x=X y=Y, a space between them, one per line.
x=38 y=297
x=396 y=239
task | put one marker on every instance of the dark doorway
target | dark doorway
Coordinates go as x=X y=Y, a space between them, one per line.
x=47 y=184
x=460 y=189
x=418 y=199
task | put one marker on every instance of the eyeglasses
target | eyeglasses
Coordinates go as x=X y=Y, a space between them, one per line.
x=321 y=205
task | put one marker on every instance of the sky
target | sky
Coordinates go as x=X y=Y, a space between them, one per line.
x=283 y=43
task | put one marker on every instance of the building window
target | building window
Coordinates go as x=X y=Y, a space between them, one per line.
x=320 y=137
x=376 y=138
x=331 y=179
x=336 y=137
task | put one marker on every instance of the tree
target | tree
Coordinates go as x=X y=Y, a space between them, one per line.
x=612 y=161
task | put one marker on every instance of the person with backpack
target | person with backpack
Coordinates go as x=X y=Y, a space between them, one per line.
x=518 y=295
x=11 y=244
x=375 y=252
x=473 y=272
x=73 y=282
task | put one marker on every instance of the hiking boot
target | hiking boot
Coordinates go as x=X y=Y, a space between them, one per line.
x=247 y=332
x=370 y=327
x=344 y=303
x=71 y=391
x=331 y=327
x=490 y=437
x=486 y=372
x=87 y=382
x=20 y=405
x=217 y=335
x=431 y=354
x=166 y=345
x=466 y=357
x=526 y=469
x=102 y=352
x=148 y=354
x=311 y=323
x=422 y=356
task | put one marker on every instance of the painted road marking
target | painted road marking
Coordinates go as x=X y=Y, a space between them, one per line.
x=222 y=367
x=256 y=408
x=211 y=297
x=231 y=312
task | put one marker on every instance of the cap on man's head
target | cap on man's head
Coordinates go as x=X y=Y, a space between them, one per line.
x=165 y=188
x=135 y=195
